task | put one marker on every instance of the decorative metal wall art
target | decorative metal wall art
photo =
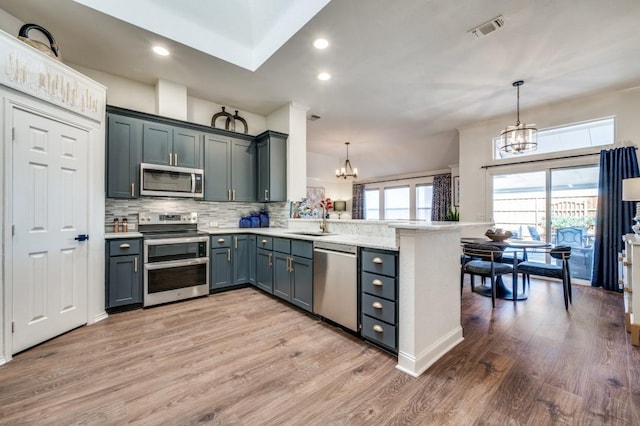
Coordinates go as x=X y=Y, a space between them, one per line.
x=230 y=122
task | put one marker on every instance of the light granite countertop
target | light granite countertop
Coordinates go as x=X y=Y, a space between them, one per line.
x=351 y=239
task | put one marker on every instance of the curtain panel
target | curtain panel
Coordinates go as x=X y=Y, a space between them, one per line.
x=614 y=217
x=357 y=202
x=441 y=201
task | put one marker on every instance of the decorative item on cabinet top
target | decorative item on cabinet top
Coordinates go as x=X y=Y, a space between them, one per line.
x=230 y=123
x=236 y=117
x=52 y=50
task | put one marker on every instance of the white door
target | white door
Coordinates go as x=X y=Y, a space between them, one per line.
x=49 y=208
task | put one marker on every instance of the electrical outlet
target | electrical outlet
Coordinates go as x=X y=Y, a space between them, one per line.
x=213 y=224
x=132 y=227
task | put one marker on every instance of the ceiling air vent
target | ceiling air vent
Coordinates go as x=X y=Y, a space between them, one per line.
x=488 y=27
x=313 y=117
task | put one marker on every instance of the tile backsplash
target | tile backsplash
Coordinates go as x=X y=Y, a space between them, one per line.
x=225 y=214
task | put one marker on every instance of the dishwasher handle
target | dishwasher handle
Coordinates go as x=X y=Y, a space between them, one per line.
x=339 y=253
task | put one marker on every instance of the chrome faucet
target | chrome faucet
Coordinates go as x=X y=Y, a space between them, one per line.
x=323 y=223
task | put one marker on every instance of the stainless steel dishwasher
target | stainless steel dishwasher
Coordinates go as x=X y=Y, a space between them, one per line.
x=335 y=283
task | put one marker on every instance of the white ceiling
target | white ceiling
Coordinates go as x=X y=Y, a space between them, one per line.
x=406 y=73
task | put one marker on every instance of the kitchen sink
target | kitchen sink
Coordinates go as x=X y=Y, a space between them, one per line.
x=311 y=233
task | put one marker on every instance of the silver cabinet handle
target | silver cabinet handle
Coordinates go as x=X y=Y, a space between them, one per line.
x=266 y=195
x=228 y=255
x=263 y=242
x=229 y=194
x=376 y=282
x=175 y=159
x=133 y=189
x=235 y=242
x=377 y=328
x=270 y=260
x=377 y=260
x=170 y=159
x=135 y=264
x=233 y=192
x=220 y=240
x=377 y=305
x=125 y=246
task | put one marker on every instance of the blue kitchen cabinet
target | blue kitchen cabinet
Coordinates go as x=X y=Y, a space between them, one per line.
x=124 y=273
x=229 y=169
x=124 y=151
x=240 y=259
x=379 y=286
x=271 y=152
x=171 y=145
x=220 y=264
x=264 y=263
x=220 y=268
x=293 y=271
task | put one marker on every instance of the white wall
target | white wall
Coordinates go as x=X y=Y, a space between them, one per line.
x=171 y=100
x=476 y=139
x=292 y=119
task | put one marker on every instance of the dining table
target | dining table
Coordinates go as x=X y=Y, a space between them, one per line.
x=502 y=291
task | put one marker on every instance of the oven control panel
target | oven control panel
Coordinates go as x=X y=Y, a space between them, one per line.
x=167 y=218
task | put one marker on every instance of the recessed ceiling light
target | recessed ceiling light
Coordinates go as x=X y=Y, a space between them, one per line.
x=160 y=51
x=324 y=76
x=321 y=43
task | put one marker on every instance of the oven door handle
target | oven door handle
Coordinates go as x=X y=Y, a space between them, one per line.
x=178 y=240
x=176 y=263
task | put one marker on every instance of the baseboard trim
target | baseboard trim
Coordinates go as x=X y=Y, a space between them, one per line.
x=415 y=366
x=102 y=315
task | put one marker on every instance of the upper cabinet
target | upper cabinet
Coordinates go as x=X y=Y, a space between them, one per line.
x=124 y=152
x=271 y=148
x=237 y=167
x=171 y=145
x=229 y=169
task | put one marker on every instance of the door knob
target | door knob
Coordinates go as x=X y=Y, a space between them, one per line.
x=81 y=237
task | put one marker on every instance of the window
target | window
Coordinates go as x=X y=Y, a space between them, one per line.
x=400 y=199
x=397 y=203
x=564 y=138
x=424 y=200
x=372 y=204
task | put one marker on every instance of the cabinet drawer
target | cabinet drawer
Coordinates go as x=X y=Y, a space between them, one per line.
x=282 y=245
x=302 y=248
x=379 y=263
x=124 y=247
x=218 y=241
x=264 y=242
x=379 y=331
x=379 y=308
x=379 y=285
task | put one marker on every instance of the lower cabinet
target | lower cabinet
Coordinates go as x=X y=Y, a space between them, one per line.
x=220 y=266
x=252 y=259
x=293 y=271
x=379 y=286
x=231 y=260
x=123 y=273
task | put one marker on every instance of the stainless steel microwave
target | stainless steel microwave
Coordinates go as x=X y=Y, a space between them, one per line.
x=170 y=181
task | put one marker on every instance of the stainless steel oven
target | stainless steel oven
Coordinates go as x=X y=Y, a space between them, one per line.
x=176 y=257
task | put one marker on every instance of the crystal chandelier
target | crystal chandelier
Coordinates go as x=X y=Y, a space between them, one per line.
x=347 y=171
x=521 y=137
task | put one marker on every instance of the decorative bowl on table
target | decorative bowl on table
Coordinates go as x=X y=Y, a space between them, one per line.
x=498 y=235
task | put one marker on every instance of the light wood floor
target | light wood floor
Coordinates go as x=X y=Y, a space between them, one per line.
x=244 y=358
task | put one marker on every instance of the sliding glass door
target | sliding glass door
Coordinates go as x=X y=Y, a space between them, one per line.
x=557 y=205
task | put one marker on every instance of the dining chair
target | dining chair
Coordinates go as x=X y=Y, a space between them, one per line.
x=535 y=235
x=485 y=260
x=552 y=270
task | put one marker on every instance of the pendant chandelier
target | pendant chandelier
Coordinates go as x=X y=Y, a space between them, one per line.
x=347 y=171
x=521 y=137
